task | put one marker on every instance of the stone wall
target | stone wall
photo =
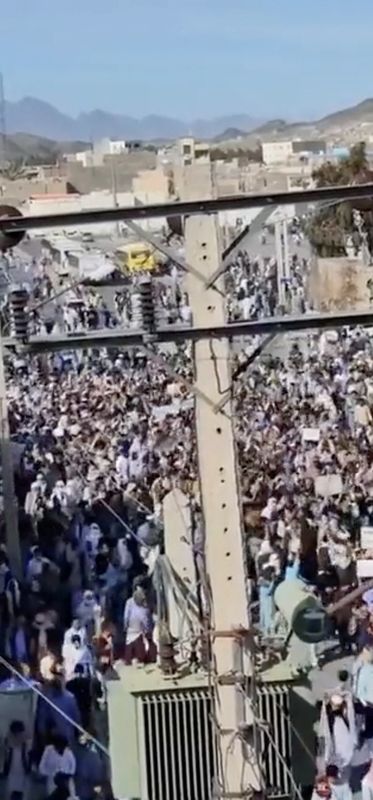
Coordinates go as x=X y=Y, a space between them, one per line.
x=338 y=284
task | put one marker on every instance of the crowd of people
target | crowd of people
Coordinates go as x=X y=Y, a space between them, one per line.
x=103 y=436
x=86 y=305
x=304 y=433
x=254 y=287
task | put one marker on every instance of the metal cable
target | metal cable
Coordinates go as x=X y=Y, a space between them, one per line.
x=263 y=725
x=59 y=711
x=296 y=732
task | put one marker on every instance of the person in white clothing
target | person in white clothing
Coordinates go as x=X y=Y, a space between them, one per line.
x=124 y=554
x=57 y=758
x=76 y=629
x=89 y=613
x=92 y=536
x=121 y=466
x=76 y=653
x=35 y=565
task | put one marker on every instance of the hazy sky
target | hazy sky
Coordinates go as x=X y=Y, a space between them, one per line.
x=293 y=58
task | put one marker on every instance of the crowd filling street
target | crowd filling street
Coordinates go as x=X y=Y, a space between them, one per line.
x=103 y=436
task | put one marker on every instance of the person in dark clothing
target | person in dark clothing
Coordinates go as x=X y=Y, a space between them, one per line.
x=62 y=790
x=80 y=687
x=17 y=762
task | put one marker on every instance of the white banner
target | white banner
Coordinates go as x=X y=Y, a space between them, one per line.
x=328 y=485
x=366 y=537
x=311 y=434
x=364 y=568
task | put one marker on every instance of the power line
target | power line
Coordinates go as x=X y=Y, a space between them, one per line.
x=37 y=691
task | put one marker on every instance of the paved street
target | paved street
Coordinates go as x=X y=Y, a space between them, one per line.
x=252 y=242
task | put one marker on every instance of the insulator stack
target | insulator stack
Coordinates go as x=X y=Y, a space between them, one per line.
x=18 y=299
x=205 y=647
x=147 y=303
x=147 y=311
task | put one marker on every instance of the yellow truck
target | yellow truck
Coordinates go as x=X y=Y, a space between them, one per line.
x=137 y=257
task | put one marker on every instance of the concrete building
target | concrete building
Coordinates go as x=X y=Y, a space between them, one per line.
x=184 y=152
x=276 y=152
x=339 y=284
x=83 y=157
x=309 y=147
x=58 y=204
x=123 y=168
x=18 y=191
x=101 y=149
x=283 y=152
x=108 y=147
x=151 y=186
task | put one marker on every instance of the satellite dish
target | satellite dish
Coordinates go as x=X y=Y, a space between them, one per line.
x=8 y=240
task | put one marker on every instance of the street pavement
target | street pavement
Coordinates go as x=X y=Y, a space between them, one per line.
x=252 y=243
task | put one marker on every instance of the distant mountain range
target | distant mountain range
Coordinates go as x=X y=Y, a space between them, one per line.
x=23 y=146
x=43 y=119
x=331 y=126
x=36 y=127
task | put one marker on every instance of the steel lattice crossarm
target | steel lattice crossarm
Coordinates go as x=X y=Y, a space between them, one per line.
x=13 y=224
x=177 y=333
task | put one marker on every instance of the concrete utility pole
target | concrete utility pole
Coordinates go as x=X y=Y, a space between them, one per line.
x=280 y=263
x=10 y=505
x=286 y=265
x=220 y=504
x=114 y=191
x=178 y=548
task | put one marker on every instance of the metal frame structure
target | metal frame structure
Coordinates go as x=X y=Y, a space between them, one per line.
x=189 y=208
x=119 y=337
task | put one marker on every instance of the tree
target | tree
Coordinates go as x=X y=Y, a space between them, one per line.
x=244 y=154
x=330 y=227
x=16 y=170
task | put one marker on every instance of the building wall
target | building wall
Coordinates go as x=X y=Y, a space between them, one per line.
x=18 y=191
x=310 y=146
x=185 y=152
x=84 y=157
x=150 y=182
x=85 y=202
x=338 y=284
x=276 y=152
x=75 y=202
x=101 y=177
x=117 y=146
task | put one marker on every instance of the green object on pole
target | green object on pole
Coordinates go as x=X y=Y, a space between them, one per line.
x=303 y=612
